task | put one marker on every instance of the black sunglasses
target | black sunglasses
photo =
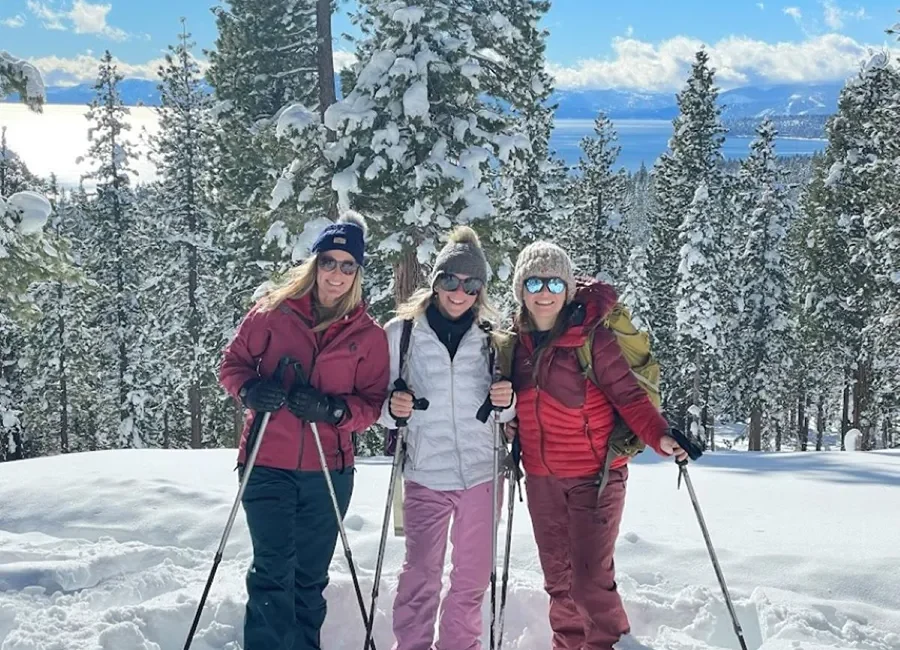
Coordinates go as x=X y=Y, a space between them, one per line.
x=450 y=282
x=328 y=263
x=535 y=284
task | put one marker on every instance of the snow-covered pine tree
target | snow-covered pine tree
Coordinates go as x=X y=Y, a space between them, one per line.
x=685 y=177
x=21 y=77
x=531 y=189
x=115 y=256
x=597 y=234
x=838 y=269
x=414 y=139
x=697 y=324
x=192 y=305
x=264 y=60
x=762 y=339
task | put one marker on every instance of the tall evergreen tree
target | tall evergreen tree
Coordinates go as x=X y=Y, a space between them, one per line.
x=762 y=338
x=414 y=139
x=688 y=203
x=115 y=253
x=598 y=235
x=191 y=306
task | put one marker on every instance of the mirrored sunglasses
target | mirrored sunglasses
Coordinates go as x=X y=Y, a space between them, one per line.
x=328 y=263
x=535 y=284
x=450 y=282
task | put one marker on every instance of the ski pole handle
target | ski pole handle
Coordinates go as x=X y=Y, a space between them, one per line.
x=419 y=403
x=693 y=449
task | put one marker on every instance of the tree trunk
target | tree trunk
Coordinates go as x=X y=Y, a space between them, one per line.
x=779 y=428
x=820 y=421
x=325 y=58
x=63 y=383
x=802 y=420
x=697 y=418
x=861 y=419
x=845 y=413
x=754 y=440
x=165 y=440
x=407 y=276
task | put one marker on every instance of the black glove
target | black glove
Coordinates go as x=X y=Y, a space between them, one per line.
x=312 y=406
x=263 y=395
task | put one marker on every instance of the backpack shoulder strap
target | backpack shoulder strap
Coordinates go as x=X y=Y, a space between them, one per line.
x=585 y=356
x=404 y=344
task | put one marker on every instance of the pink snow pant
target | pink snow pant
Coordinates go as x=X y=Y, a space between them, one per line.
x=427 y=515
x=576 y=539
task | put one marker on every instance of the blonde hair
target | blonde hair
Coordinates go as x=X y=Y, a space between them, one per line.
x=300 y=280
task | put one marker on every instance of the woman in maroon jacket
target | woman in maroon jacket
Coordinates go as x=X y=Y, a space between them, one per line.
x=564 y=422
x=317 y=318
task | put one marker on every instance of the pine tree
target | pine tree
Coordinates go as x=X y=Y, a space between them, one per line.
x=530 y=190
x=414 y=140
x=839 y=268
x=687 y=177
x=598 y=236
x=191 y=304
x=762 y=338
x=115 y=256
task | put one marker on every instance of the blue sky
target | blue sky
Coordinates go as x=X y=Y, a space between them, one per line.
x=640 y=44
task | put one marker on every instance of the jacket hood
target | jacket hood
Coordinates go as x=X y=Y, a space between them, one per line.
x=304 y=307
x=593 y=302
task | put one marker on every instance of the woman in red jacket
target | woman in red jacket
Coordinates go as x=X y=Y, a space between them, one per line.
x=564 y=422
x=317 y=318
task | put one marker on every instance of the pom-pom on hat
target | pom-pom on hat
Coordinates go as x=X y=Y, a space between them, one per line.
x=347 y=234
x=462 y=254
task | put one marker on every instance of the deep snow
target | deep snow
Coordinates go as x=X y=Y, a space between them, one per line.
x=110 y=550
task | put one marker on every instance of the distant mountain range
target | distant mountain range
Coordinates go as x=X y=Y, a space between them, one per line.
x=738 y=103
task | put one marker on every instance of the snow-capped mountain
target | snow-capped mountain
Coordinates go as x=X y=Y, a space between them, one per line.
x=749 y=101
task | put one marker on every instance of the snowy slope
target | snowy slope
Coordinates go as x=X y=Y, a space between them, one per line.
x=111 y=549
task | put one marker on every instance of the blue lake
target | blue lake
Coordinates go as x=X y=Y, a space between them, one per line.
x=645 y=140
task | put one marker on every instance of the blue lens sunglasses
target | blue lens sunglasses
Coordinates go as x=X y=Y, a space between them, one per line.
x=535 y=284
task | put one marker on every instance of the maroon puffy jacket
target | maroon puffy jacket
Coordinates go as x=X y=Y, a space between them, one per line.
x=564 y=419
x=349 y=359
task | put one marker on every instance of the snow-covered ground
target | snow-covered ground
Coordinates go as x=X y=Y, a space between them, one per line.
x=111 y=550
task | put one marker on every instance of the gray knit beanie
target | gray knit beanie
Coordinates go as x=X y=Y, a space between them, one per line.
x=543 y=259
x=462 y=254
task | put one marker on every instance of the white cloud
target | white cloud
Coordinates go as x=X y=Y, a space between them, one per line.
x=794 y=12
x=738 y=61
x=761 y=6
x=342 y=59
x=83 y=18
x=13 y=22
x=629 y=31
x=50 y=18
x=58 y=71
x=835 y=16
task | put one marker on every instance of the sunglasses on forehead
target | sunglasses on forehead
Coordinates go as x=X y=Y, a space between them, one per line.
x=450 y=282
x=535 y=284
x=328 y=263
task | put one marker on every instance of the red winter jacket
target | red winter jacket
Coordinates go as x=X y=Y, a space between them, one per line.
x=349 y=359
x=564 y=419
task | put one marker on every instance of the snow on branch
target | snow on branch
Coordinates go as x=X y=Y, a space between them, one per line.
x=19 y=76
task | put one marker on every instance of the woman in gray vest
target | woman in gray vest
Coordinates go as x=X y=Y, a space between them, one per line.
x=450 y=452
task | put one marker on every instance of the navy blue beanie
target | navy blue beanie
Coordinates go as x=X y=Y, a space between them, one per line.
x=348 y=234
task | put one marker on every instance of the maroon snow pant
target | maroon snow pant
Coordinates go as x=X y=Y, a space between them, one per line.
x=576 y=538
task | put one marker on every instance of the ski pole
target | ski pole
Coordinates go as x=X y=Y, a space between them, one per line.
x=396 y=467
x=337 y=510
x=694 y=452
x=495 y=505
x=511 y=503
x=255 y=435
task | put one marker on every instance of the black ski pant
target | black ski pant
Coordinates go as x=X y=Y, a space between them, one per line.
x=294 y=532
